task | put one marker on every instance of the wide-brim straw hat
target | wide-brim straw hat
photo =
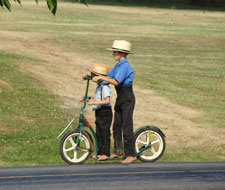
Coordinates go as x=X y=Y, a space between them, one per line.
x=99 y=69
x=121 y=46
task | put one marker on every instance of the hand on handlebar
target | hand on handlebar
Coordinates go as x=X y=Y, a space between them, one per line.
x=94 y=79
x=81 y=100
x=84 y=76
x=97 y=79
x=90 y=102
x=85 y=99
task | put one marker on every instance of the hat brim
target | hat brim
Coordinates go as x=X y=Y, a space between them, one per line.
x=119 y=50
x=97 y=73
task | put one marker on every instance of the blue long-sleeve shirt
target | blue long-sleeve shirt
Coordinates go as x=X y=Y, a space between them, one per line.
x=123 y=73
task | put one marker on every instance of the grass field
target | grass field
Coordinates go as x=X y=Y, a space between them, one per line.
x=178 y=59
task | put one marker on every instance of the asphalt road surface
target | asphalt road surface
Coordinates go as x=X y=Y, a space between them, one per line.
x=138 y=176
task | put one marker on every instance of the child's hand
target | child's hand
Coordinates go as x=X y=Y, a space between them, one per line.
x=90 y=102
x=85 y=75
x=82 y=100
x=96 y=78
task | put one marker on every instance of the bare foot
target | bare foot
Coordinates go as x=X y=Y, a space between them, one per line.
x=129 y=160
x=103 y=157
x=94 y=157
x=115 y=156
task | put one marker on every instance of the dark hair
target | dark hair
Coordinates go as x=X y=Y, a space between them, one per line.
x=125 y=54
x=93 y=74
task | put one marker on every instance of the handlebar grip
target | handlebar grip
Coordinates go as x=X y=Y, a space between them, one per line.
x=88 y=78
x=100 y=80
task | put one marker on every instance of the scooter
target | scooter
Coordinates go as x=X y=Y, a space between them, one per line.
x=77 y=145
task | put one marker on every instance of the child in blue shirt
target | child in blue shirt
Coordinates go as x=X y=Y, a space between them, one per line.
x=101 y=104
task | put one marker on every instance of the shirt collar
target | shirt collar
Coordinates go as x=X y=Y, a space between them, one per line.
x=122 y=61
x=103 y=83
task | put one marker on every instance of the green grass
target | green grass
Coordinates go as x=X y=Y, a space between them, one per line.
x=192 y=81
x=178 y=54
x=190 y=154
x=30 y=116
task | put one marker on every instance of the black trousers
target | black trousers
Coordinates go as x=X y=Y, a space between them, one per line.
x=123 y=122
x=103 y=122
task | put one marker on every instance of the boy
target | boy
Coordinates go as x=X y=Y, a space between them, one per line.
x=121 y=76
x=101 y=104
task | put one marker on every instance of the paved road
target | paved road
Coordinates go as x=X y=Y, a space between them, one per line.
x=138 y=176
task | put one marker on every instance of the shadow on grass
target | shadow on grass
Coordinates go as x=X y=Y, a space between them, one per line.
x=219 y=5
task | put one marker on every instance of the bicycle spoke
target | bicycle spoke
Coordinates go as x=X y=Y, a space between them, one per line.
x=82 y=149
x=142 y=142
x=154 y=142
x=147 y=138
x=153 y=150
x=75 y=155
x=69 y=149
x=72 y=142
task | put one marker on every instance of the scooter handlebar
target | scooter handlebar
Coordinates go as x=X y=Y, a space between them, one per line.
x=100 y=80
x=90 y=78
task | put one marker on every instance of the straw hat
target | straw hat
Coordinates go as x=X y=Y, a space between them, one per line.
x=99 y=69
x=121 y=46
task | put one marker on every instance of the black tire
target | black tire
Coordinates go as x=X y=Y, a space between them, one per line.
x=158 y=144
x=68 y=151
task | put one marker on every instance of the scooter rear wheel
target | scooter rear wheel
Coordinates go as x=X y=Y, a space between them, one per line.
x=152 y=141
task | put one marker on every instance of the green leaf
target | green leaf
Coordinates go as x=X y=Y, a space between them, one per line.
x=52 y=5
x=1 y=3
x=36 y=1
x=7 y=4
x=82 y=1
x=19 y=1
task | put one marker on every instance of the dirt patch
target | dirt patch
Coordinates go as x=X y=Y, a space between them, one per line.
x=4 y=84
x=177 y=122
x=4 y=129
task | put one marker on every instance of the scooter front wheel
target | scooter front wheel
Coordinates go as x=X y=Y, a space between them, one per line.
x=73 y=150
x=149 y=144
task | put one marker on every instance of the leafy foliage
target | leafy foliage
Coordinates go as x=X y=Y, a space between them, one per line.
x=52 y=4
x=6 y=3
